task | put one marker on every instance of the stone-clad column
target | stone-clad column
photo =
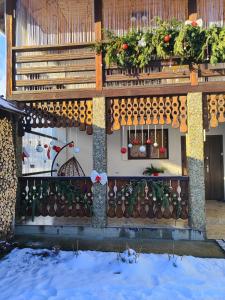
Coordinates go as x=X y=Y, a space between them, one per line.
x=195 y=161
x=99 y=161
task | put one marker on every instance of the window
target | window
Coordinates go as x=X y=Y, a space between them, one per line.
x=151 y=151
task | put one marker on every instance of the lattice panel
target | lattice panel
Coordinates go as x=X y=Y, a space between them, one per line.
x=216 y=109
x=69 y=113
x=149 y=110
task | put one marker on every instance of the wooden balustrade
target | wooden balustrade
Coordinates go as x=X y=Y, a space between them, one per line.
x=148 y=197
x=55 y=197
x=59 y=67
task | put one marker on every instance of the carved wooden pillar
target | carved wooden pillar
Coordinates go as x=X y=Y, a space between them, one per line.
x=195 y=161
x=99 y=161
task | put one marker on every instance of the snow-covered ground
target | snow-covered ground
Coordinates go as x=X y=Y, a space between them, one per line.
x=27 y=275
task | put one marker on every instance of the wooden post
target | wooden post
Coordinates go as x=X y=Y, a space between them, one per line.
x=98 y=38
x=10 y=43
x=192 y=16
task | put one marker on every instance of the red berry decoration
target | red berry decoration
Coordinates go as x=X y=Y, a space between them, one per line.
x=194 y=24
x=167 y=38
x=149 y=141
x=56 y=148
x=162 y=150
x=123 y=150
x=125 y=46
x=45 y=146
x=71 y=145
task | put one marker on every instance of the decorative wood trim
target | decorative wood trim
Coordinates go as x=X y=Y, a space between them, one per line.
x=98 y=38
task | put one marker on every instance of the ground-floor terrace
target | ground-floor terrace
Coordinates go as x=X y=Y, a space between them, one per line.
x=121 y=139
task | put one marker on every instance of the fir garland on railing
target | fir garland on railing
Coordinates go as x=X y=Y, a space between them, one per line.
x=189 y=43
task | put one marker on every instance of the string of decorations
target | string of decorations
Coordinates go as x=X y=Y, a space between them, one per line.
x=189 y=42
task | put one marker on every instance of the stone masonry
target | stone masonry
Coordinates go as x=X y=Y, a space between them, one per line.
x=99 y=162
x=195 y=161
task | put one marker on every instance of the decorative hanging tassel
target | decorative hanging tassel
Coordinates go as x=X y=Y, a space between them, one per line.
x=155 y=143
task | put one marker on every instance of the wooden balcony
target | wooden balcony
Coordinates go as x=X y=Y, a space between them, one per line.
x=74 y=70
x=68 y=200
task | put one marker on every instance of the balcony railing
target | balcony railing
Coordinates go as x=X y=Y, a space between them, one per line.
x=129 y=197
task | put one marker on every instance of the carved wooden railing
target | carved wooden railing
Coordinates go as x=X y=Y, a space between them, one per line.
x=55 y=197
x=61 y=67
x=140 y=197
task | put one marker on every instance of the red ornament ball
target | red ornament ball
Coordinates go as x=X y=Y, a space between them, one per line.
x=194 y=24
x=162 y=150
x=56 y=148
x=123 y=150
x=71 y=145
x=149 y=141
x=45 y=146
x=135 y=142
x=125 y=46
x=167 y=38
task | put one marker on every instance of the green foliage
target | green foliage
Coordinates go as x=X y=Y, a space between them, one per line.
x=151 y=170
x=191 y=44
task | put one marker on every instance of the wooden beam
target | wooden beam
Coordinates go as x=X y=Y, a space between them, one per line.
x=98 y=38
x=163 y=90
x=10 y=44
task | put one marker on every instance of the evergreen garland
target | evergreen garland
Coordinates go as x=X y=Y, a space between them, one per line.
x=189 y=43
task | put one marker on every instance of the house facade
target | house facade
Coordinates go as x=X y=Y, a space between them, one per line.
x=85 y=113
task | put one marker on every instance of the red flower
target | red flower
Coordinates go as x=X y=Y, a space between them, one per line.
x=56 y=148
x=123 y=150
x=125 y=46
x=194 y=24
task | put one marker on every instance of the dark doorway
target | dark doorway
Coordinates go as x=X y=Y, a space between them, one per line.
x=214 y=171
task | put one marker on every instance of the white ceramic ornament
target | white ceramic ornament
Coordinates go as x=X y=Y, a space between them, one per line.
x=155 y=145
x=142 y=149
x=130 y=146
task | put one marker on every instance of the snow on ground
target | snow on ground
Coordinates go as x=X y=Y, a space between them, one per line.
x=27 y=275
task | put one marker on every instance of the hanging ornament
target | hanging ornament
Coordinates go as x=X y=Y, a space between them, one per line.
x=56 y=148
x=142 y=148
x=167 y=38
x=149 y=141
x=135 y=141
x=76 y=150
x=71 y=145
x=52 y=143
x=155 y=143
x=129 y=144
x=45 y=146
x=162 y=149
x=39 y=148
x=48 y=152
x=125 y=46
x=123 y=149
